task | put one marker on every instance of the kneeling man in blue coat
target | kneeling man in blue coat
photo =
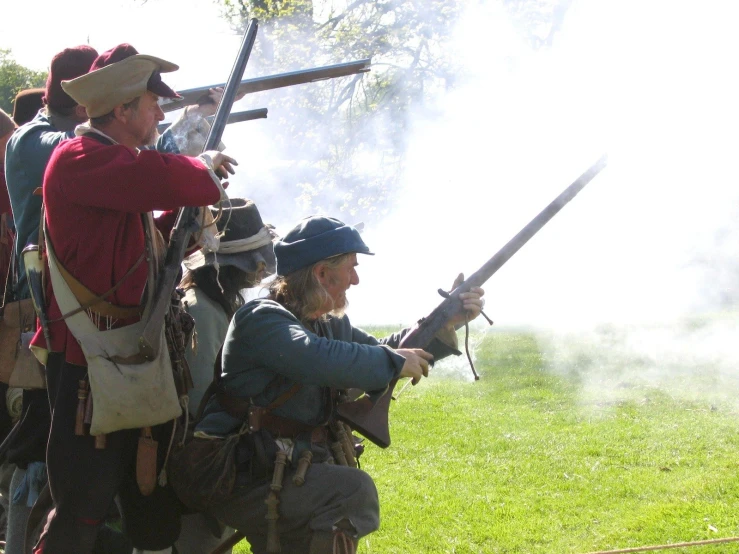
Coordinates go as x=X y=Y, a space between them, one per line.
x=286 y=360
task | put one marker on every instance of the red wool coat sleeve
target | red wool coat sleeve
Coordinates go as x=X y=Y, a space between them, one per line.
x=116 y=178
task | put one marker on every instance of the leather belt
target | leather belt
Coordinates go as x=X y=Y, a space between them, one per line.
x=281 y=427
x=90 y=301
x=260 y=418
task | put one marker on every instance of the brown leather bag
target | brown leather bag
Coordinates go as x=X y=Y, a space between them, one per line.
x=17 y=318
x=28 y=372
x=202 y=472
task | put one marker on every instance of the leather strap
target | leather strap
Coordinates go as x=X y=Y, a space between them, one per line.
x=239 y=407
x=284 y=397
x=90 y=301
x=259 y=417
x=287 y=428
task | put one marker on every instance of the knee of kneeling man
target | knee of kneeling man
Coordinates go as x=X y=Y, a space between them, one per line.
x=364 y=485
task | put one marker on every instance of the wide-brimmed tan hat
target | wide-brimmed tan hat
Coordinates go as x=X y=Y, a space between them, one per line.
x=117 y=77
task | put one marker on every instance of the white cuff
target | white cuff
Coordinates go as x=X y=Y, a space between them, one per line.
x=206 y=159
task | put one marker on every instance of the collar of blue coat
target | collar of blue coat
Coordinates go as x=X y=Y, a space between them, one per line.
x=314 y=239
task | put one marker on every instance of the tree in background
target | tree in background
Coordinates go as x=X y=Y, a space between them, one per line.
x=344 y=139
x=15 y=78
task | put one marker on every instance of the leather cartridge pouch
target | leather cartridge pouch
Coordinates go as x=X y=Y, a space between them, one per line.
x=17 y=317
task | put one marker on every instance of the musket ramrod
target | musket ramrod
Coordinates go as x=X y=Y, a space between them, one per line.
x=371 y=418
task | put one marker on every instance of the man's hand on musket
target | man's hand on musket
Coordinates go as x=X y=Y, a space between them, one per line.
x=416 y=363
x=472 y=302
x=208 y=103
x=222 y=164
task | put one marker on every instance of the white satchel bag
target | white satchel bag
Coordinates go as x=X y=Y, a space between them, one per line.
x=128 y=392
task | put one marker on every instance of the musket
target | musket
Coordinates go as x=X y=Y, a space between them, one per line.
x=371 y=418
x=186 y=222
x=270 y=82
x=34 y=264
x=235 y=117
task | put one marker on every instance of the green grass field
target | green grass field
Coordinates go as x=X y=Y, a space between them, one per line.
x=521 y=462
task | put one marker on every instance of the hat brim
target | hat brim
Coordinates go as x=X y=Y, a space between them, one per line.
x=247 y=261
x=164 y=65
x=302 y=252
x=100 y=91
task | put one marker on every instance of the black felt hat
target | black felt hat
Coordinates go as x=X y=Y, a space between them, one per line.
x=246 y=240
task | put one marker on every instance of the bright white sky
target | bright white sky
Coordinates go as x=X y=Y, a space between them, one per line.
x=190 y=33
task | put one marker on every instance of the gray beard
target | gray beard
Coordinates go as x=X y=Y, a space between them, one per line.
x=152 y=139
x=339 y=312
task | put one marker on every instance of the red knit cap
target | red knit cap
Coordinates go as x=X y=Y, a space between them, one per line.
x=123 y=51
x=67 y=64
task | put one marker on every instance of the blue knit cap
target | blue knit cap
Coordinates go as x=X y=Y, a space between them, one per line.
x=314 y=239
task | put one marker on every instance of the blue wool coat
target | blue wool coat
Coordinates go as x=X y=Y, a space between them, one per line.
x=268 y=350
x=27 y=154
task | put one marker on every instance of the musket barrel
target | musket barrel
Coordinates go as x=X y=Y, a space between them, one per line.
x=232 y=87
x=186 y=219
x=233 y=117
x=534 y=226
x=422 y=336
x=271 y=82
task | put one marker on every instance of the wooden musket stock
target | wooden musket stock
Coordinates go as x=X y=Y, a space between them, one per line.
x=187 y=219
x=371 y=419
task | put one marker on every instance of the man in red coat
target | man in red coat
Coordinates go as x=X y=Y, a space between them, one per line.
x=96 y=188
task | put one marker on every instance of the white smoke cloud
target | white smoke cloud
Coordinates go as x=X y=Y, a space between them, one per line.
x=613 y=283
x=639 y=243
x=693 y=359
x=636 y=282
